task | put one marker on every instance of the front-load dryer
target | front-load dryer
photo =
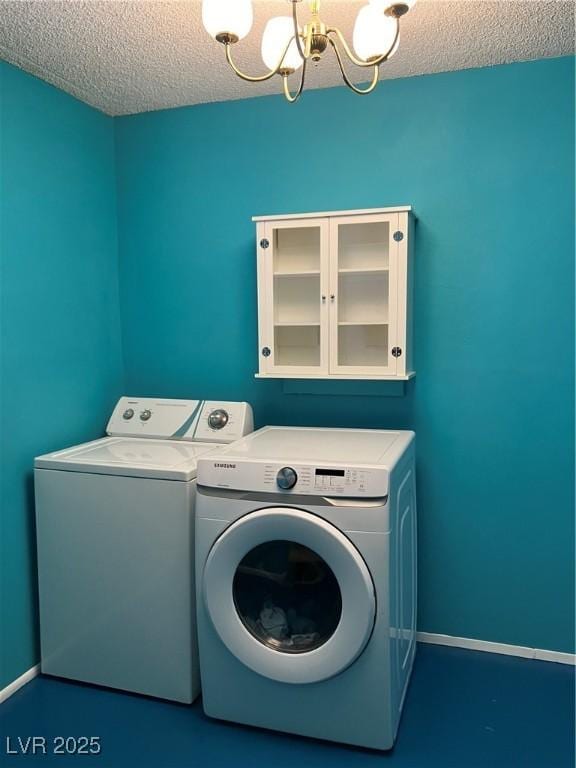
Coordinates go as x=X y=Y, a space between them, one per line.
x=115 y=535
x=306 y=581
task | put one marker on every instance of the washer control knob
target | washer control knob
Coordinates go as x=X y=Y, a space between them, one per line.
x=218 y=419
x=128 y=413
x=286 y=478
x=145 y=415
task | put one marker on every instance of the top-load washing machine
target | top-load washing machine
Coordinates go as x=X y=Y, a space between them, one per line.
x=115 y=533
x=306 y=581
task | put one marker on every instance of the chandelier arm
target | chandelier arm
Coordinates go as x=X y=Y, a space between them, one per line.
x=292 y=98
x=360 y=62
x=349 y=83
x=260 y=78
x=301 y=51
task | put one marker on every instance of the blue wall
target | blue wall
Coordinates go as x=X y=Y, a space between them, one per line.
x=486 y=159
x=484 y=156
x=60 y=363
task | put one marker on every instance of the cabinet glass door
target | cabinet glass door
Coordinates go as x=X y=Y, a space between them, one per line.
x=363 y=295
x=296 y=278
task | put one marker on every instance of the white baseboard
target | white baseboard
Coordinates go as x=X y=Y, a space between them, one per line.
x=14 y=686
x=504 y=648
x=423 y=637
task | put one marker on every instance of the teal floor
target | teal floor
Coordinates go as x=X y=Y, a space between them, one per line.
x=464 y=710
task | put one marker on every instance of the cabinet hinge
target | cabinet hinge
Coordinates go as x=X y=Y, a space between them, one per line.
x=264 y=243
x=398 y=236
x=396 y=351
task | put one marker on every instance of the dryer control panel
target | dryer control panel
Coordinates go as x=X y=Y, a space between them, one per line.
x=325 y=481
x=207 y=421
x=295 y=478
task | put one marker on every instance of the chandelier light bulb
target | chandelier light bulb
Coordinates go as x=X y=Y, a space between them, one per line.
x=374 y=32
x=277 y=33
x=232 y=17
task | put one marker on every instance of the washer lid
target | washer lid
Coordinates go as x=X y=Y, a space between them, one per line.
x=131 y=457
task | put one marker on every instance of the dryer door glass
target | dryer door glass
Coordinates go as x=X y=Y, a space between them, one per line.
x=287 y=596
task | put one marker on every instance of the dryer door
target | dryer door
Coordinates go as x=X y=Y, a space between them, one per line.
x=289 y=595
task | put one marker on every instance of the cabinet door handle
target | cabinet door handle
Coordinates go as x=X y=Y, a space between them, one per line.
x=332 y=297
x=323 y=299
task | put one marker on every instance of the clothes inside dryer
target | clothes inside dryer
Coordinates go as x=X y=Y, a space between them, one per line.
x=287 y=596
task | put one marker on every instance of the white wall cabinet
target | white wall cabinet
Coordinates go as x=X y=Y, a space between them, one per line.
x=334 y=295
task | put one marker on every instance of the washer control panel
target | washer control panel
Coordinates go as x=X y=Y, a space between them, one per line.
x=218 y=418
x=207 y=421
x=223 y=422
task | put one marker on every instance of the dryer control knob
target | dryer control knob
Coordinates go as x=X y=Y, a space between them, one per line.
x=286 y=478
x=218 y=419
x=145 y=415
x=128 y=413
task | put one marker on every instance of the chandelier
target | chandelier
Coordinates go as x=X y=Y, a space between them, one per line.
x=287 y=47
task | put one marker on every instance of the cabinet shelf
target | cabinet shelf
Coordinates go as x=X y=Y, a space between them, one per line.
x=296 y=325
x=366 y=271
x=362 y=322
x=301 y=273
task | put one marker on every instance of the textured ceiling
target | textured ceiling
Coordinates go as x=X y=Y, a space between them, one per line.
x=126 y=57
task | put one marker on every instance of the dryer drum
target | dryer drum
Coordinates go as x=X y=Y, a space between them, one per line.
x=287 y=596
